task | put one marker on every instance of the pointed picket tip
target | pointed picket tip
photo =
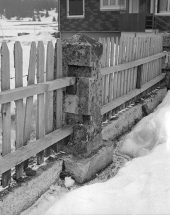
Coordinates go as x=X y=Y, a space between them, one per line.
x=4 y=47
x=33 y=46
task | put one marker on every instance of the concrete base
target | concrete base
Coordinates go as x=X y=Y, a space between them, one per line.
x=84 y=169
x=125 y=120
x=18 y=198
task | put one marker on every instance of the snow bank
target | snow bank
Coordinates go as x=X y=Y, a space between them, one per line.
x=149 y=132
x=141 y=186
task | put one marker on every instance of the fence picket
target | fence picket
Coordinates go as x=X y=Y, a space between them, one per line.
x=40 y=131
x=116 y=73
x=128 y=60
x=18 y=62
x=119 y=62
x=5 y=110
x=29 y=100
x=107 y=65
x=59 y=93
x=111 y=75
x=49 y=95
x=134 y=58
x=131 y=70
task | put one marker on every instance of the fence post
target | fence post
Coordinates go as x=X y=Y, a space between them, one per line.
x=81 y=59
x=82 y=105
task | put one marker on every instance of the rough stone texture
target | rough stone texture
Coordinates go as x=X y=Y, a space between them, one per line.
x=87 y=98
x=23 y=195
x=83 y=141
x=125 y=121
x=81 y=59
x=85 y=169
x=80 y=50
x=94 y=20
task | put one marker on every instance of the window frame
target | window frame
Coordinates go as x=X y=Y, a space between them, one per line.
x=112 y=7
x=161 y=13
x=75 y=16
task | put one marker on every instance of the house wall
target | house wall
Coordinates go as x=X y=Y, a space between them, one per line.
x=95 y=21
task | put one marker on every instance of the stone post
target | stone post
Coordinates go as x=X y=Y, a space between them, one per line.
x=81 y=56
x=82 y=103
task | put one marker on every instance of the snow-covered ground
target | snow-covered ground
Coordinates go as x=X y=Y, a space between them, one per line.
x=38 y=31
x=142 y=186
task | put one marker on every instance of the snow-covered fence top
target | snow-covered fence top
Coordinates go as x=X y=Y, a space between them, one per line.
x=34 y=116
x=130 y=66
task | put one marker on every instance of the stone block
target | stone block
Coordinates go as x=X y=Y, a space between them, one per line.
x=80 y=50
x=71 y=104
x=84 y=140
x=88 y=97
x=125 y=120
x=84 y=169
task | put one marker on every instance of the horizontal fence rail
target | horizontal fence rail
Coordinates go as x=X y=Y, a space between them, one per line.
x=119 y=101
x=22 y=92
x=130 y=66
x=32 y=148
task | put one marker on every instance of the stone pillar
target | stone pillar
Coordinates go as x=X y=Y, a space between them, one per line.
x=82 y=103
x=166 y=63
x=81 y=59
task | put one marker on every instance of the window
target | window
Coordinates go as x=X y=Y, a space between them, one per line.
x=112 y=4
x=75 y=8
x=163 y=7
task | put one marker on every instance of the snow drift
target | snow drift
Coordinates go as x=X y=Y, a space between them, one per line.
x=141 y=186
x=149 y=132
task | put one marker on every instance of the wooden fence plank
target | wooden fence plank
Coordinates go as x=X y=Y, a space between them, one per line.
x=119 y=61
x=18 y=62
x=126 y=60
x=5 y=110
x=22 y=92
x=129 y=58
x=59 y=93
x=49 y=95
x=135 y=58
x=103 y=66
x=147 y=49
x=40 y=131
x=106 y=78
x=112 y=55
x=115 y=74
x=132 y=64
x=111 y=75
x=123 y=72
x=145 y=65
x=29 y=100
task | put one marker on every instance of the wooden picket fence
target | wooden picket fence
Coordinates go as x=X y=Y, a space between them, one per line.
x=45 y=89
x=130 y=66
